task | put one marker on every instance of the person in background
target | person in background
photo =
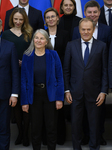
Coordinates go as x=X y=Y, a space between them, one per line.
x=9 y=87
x=34 y=15
x=42 y=88
x=20 y=34
x=59 y=39
x=106 y=13
x=69 y=20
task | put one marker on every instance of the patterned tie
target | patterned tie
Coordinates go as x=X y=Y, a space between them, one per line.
x=110 y=17
x=86 y=54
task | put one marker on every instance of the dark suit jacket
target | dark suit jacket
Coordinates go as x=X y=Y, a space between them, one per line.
x=102 y=18
x=34 y=16
x=54 y=77
x=110 y=66
x=104 y=33
x=9 y=70
x=89 y=80
x=75 y=23
x=61 y=41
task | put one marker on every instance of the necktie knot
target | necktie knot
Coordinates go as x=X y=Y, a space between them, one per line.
x=86 y=43
x=109 y=10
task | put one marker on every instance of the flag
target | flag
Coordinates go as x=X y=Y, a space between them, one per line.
x=6 y=5
x=56 y=5
x=80 y=6
x=41 y=5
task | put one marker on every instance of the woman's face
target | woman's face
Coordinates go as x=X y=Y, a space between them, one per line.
x=51 y=19
x=40 y=41
x=68 y=7
x=18 y=20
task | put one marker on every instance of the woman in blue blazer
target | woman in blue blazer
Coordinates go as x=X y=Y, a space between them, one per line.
x=42 y=88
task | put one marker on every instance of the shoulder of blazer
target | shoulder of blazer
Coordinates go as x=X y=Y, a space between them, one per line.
x=32 y=9
x=99 y=42
x=105 y=27
x=50 y=52
x=7 y=42
x=10 y=10
x=76 y=18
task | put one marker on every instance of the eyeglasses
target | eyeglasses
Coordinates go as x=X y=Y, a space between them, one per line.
x=52 y=17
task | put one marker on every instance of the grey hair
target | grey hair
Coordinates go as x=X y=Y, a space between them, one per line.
x=31 y=47
x=0 y=22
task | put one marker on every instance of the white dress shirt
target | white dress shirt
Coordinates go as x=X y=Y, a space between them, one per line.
x=26 y=8
x=52 y=37
x=107 y=14
x=95 y=34
x=84 y=46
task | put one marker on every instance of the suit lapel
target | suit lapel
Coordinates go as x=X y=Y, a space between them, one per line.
x=99 y=31
x=103 y=16
x=79 y=51
x=48 y=65
x=3 y=46
x=93 y=49
x=30 y=64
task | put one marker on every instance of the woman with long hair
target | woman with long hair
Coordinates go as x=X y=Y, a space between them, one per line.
x=42 y=88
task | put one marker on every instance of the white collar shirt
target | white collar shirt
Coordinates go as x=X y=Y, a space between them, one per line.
x=26 y=8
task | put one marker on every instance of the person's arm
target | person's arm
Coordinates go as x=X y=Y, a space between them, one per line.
x=104 y=85
x=110 y=66
x=15 y=77
x=60 y=82
x=24 y=98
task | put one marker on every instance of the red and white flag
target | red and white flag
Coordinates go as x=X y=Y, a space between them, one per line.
x=6 y=5
x=56 y=5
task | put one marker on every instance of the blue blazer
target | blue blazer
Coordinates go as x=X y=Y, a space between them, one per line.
x=54 y=77
x=104 y=34
x=9 y=70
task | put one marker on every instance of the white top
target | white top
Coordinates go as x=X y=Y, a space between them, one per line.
x=95 y=34
x=52 y=37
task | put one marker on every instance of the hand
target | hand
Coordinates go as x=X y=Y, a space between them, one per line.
x=25 y=108
x=13 y=101
x=68 y=97
x=100 y=99
x=59 y=104
x=20 y=63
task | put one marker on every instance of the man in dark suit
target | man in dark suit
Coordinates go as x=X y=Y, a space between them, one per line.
x=9 y=88
x=106 y=13
x=102 y=32
x=34 y=15
x=85 y=74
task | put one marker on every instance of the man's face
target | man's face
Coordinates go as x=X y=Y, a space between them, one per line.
x=92 y=13
x=23 y=3
x=108 y=3
x=86 y=30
